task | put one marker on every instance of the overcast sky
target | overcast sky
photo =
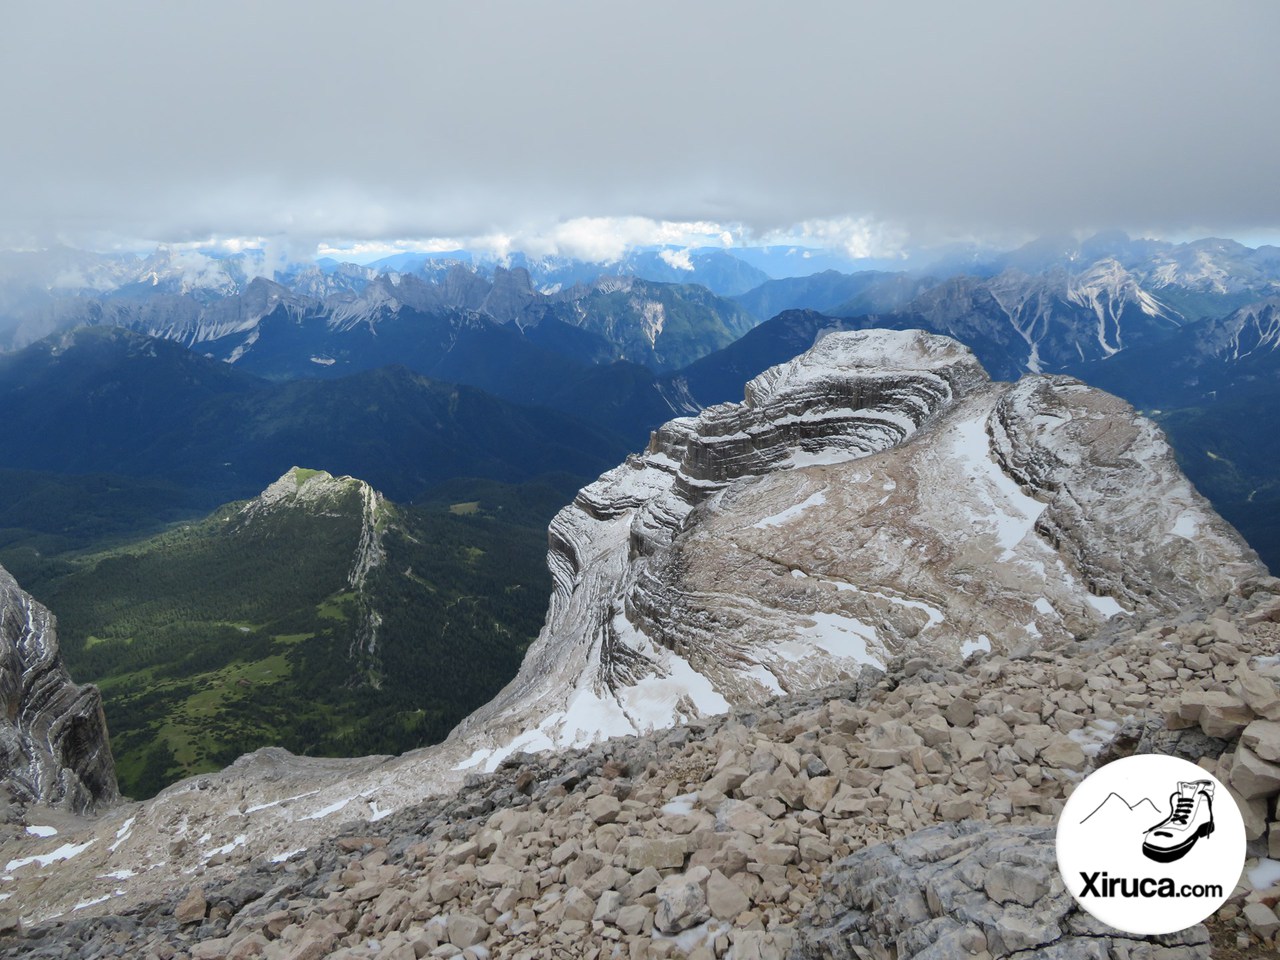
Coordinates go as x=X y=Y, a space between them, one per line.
x=879 y=124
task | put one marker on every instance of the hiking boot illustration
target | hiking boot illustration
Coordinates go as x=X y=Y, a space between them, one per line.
x=1191 y=818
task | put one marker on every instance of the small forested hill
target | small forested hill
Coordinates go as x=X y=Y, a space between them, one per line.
x=317 y=616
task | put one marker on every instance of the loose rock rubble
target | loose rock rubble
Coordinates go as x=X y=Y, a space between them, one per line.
x=786 y=830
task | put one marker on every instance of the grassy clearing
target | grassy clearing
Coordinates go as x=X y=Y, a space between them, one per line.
x=291 y=639
x=337 y=607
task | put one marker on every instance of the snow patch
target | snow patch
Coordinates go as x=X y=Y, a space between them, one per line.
x=1265 y=875
x=226 y=848
x=840 y=636
x=331 y=808
x=1187 y=525
x=704 y=934
x=680 y=806
x=933 y=615
x=477 y=757
x=820 y=458
x=1094 y=736
x=64 y=852
x=778 y=519
x=40 y=831
x=674 y=692
x=981 y=645
x=275 y=803
x=1013 y=514
x=763 y=676
x=282 y=857
x=1106 y=606
x=122 y=834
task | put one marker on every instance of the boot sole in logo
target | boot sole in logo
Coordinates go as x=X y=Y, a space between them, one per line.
x=1170 y=854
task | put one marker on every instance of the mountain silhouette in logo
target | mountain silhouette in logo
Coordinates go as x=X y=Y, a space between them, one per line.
x=1115 y=809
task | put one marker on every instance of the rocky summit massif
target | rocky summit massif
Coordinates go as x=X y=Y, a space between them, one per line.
x=894 y=612
x=878 y=495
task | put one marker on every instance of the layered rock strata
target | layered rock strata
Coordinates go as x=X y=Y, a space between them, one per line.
x=53 y=737
x=876 y=496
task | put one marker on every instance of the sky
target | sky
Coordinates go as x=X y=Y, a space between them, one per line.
x=587 y=128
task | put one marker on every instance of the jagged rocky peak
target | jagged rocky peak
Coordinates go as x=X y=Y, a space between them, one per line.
x=53 y=737
x=876 y=497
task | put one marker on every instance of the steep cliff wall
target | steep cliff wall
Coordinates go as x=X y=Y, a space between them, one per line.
x=53 y=738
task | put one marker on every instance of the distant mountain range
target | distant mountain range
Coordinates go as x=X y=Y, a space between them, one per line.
x=1046 y=305
x=575 y=358
x=164 y=387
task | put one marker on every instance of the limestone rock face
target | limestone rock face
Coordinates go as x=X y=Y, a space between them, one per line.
x=960 y=890
x=877 y=496
x=53 y=738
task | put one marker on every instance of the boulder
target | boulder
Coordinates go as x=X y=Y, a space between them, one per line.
x=682 y=901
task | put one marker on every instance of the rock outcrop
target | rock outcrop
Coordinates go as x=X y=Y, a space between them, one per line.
x=876 y=496
x=53 y=737
x=966 y=890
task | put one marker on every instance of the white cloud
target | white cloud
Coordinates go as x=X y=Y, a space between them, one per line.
x=594 y=239
x=678 y=259
x=856 y=237
x=605 y=239
x=608 y=239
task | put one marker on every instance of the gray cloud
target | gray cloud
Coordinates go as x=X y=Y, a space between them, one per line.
x=326 y=119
